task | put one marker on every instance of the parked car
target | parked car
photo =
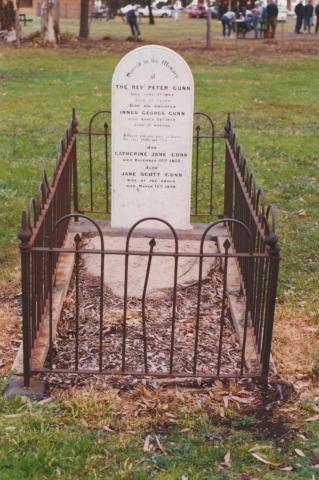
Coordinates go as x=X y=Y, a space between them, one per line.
x=163 y=12
x=197 y=11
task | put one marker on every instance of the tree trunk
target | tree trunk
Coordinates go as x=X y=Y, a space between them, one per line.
x=84 y=19
x=17 y=26
x=209 y=27
x=47 y=22
x=56 y=20
x=151 y=16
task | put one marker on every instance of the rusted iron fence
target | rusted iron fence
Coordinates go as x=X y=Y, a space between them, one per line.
x=38 y=267
x=251 y=244
x=243 y=201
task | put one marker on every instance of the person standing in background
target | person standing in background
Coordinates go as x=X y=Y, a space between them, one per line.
x=300 y=13
x=272 y=14
x=257 y=13
x=228 y=20
x=317 y=15
x=308 y=16
x=131 y=17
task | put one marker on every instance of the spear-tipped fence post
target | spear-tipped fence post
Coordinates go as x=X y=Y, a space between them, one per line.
x=25 y=252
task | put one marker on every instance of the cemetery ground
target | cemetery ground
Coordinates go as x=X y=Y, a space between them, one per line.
x=227 y=430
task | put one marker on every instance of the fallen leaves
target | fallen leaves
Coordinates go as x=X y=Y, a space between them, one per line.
x=158 y=332
x=299 y=452
x=263 y=459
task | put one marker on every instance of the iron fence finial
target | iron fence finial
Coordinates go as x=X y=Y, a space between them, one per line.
x=272 y=242
x=25 y=232
x=74 y=122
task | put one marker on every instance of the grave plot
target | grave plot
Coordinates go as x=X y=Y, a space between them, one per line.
x=148 y=346
x=182 y=281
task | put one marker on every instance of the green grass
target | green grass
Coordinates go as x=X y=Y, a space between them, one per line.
x=68 y=439
x=275 y=109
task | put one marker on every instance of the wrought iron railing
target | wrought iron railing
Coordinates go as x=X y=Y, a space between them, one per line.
x=244 y=202
x=252 y=243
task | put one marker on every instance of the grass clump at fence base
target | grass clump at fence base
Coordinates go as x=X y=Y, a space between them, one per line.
x=219 y=432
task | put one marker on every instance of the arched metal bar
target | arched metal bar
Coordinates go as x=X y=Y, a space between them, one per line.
x=202 y=114
x=200 y=273
x=224 y=220
x=79 y=215
x=212 y=135
x=260 y=197
x=270 y=213
x=29 y=216
x=33 y=204
x=77 y=240
x=251 y=183
x=100 y=112
x=45 y=179
x=127 y=250
x=42 y=192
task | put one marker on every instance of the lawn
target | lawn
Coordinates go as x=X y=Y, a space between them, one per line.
x=275 y=107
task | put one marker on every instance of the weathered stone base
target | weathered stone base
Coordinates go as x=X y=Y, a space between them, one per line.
x=36 y=391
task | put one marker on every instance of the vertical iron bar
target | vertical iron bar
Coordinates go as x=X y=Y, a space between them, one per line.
x=50 y=274
x=152 y=244
x=77 y=240
x=125 y=311
x=75 y=179
x=174 y=311
x=222 y=319
x=199 y=291
x=212 y=173
x=106 y=167
x=101 y=312
x=197 y=169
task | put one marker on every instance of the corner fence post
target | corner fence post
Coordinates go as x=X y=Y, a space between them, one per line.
x=25 y=249
x=74 y=125
x=273 y=250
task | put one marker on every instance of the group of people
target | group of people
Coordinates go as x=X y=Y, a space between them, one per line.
x=304 y=16
x=252 y=16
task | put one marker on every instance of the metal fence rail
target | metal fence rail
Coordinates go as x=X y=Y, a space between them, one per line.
x=252 y=243
x=38 y=267
x=244 y=202
x=170 y=344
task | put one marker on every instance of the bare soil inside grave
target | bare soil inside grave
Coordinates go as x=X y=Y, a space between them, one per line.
x=158 y=330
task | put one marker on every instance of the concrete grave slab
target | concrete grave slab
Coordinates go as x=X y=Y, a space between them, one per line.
x=162 y=269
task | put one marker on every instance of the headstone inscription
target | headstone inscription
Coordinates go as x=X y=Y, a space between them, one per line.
x=152 y=128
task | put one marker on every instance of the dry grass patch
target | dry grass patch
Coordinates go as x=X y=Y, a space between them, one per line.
x=295 y=343
x=10 y=334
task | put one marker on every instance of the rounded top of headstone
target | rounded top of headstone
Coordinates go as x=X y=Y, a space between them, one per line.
x=142 y=60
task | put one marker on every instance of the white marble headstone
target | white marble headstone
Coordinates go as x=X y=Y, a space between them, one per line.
x=152 y=128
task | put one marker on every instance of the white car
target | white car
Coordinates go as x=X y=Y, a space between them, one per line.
x=163 y=12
